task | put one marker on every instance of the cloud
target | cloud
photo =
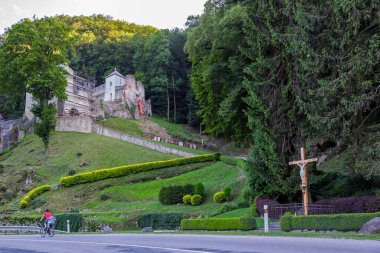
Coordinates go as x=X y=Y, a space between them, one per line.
x=18 y=11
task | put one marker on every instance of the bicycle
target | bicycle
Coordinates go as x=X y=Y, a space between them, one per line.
x=47 y=230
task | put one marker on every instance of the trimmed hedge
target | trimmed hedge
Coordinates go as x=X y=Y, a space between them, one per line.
x=341 y=222
x=173 y=194
x=76 y=222
x=97 y=175
x=34 y=193
x=161 y=220
x=242 y=223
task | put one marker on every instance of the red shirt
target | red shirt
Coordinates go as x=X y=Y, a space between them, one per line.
x=47 y=215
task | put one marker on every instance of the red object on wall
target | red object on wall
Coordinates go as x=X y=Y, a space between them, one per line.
x=140 y=106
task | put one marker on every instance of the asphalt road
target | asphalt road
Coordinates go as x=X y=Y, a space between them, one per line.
x=167 y=243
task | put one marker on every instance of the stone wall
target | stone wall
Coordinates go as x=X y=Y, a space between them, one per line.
x=82 y=123
x=10 y=132
x=98 y=129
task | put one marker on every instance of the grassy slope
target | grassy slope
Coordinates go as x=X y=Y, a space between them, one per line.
x=131 y=127
x=97 y=152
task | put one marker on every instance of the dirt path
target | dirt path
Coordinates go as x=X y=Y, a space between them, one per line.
x=152 y=128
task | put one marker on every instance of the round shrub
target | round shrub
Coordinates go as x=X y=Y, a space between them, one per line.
x=196 y=200
x=187 y=199
x=219 y=197
x=103 y=197
x=71 y=173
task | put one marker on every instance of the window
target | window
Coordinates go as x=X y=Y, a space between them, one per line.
x=111 y=96
x=110 y=83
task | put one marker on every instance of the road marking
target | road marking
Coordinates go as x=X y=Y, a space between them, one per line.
x=115 y=244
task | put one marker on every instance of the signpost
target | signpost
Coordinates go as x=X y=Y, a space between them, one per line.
x=266 y=220
x=304 y=177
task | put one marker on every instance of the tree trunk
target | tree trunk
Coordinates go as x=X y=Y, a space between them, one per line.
x=168 y=102
x=174 y=101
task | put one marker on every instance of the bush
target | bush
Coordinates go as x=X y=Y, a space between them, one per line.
x=196 y=200
x=247 y=195
x=341 y=222
x=260 y=202
x=76 y=222
x=255 y=213
x=34 y=193
x=199 y=189
x=71 y=173
x=243 y=204
x=227 y=208
x=97 y=175
x=242 y=223
x=227 y=193
x=186 y=199
x=364 y=204
x=173 y=194
x=103 y=197
x=286 y=222
x=161 y=220
x=219 y=197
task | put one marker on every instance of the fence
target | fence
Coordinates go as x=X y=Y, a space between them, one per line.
x=276 y=211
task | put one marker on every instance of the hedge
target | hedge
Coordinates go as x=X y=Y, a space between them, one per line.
x=34 y=193
x=242 y=223
x=61 y=223
x=173 y=194
x=131 y=169
x=341 y=222
x=166 y=221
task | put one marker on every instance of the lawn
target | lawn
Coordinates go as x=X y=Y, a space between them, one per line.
x=127 y=126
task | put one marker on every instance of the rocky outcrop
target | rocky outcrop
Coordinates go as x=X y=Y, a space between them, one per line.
x=371 y=227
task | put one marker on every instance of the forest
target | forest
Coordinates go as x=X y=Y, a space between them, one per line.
x=269 y=75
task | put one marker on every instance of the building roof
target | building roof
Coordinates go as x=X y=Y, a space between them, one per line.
x=115 y=72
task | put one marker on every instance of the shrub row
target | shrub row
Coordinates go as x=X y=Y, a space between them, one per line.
x=34 y=193
x=228 y=160
x=341 y=222
x=173 y=194
x=364 y=204
x=242 y=223
x=166 y=221
x=61 y=223
x=131 y=169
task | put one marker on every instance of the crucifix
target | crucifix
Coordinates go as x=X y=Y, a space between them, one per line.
x=304 y=177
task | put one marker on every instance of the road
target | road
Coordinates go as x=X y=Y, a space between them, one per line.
x=169 y=243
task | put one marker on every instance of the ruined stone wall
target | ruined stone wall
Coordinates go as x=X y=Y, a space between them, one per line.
x=82 y=123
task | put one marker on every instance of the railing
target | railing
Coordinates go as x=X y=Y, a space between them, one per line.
x=24 y=229
x=276 y=211
x=171 y=141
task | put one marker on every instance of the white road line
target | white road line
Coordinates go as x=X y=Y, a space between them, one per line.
x=111 y=244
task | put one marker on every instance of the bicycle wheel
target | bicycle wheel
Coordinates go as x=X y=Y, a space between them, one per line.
x=51 y=232
x=42 y=231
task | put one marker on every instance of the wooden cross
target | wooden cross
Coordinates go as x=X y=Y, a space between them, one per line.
x=304 y=177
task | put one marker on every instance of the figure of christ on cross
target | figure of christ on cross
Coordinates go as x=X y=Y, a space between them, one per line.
x=304 y=177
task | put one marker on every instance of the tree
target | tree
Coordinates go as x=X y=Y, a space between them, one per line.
x=32 y=57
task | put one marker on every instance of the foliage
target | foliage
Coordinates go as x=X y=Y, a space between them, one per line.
x=273 y=74
x=242 y=223
x=364 y=204
x=166 y=221
x=340 y=222
x=228 y=160
x=260 y=202
x=187 y=199
x=199 y=189
x=97 y=175
x=219 y=197
x=76 y=222
x=243 y=204
x=33 y=194
x=31 y=60
x=286 y=222
x=103 y=197
x=196 y=200
x=227 y=193
x=71 y=173
x=173 y=194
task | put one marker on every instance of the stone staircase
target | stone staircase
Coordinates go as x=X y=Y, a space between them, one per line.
x=274 y=226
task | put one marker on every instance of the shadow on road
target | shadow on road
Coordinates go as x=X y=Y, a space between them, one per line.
x=10 y=250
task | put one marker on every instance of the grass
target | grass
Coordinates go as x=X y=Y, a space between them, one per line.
x=235 y=213
x=68 y=151
x=122 y=125
x=178 y=131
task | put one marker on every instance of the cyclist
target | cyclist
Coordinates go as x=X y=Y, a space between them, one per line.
x=47 y=216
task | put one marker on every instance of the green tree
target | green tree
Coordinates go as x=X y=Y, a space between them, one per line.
x=32 y=56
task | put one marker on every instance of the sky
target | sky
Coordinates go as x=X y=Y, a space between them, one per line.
x=158 y=13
